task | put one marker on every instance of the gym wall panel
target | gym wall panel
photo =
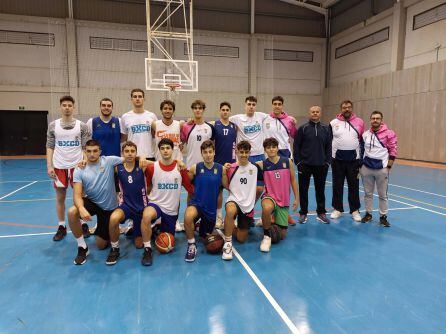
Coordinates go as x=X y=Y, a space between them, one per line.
x=421 y=44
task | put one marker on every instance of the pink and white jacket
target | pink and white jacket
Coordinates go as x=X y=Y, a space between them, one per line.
x=347 y=137
x=283 y=128
x=379 y=147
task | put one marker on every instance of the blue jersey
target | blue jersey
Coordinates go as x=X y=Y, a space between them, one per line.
x=108 y=135
x=133 y=188
x=225 y=137
x=207 y=183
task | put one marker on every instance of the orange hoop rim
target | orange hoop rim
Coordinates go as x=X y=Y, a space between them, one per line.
x=172 y=86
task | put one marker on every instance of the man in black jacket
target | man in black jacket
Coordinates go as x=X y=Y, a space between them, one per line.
x=312 y=155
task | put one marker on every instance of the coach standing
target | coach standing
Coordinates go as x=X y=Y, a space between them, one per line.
x=312 y=154
x=380 y=148
x=347 y=131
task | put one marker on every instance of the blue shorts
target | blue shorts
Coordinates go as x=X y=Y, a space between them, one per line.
x=207 y=224
x=167 y=222
x=254 y=158
x=135 y=216
x=285 y=153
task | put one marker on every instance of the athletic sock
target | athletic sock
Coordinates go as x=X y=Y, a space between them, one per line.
x=81 y=242
x=114 y=244
x=191 y=241
x=219 y=213
x=267 y=232
x=147 y=244
x=228 y=239
x=62 y=223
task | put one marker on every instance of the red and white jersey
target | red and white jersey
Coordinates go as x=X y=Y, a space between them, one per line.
x=243 y=181
x=172 y=132
x=68 y=146
x=166 y=184
x=194 y=135
x=138 y=128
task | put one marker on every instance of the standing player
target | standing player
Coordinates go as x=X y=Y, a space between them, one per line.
x=278 y=124
x=106 y=129
x=94 y=194
x=208 y=178
x=279 y=176
x=164 y=187
x=136 y=125
x=250 y=128
x=132 y=184
x=65 y=138
x=167 y=127
x=245 y=180
x=196 y=133
x=379 y=155
x=347 y=131
x=225 y=139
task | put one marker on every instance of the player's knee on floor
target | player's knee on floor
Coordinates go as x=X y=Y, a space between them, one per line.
x=241 y=235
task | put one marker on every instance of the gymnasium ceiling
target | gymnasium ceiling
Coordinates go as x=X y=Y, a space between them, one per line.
x=278 y=17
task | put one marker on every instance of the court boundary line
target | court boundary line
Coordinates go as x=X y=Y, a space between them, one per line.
x=413 y=189
x=291 y=326
x=13 y=192
x=26 y=235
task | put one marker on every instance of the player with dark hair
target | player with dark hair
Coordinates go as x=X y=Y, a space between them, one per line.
x=164 y=187
x=245 y=180
x=207 y=176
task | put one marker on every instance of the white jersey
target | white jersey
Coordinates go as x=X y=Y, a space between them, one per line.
x=171 y=132
x=251 y=130
x=68 y=147
x=243 y=185
x=138 y=128
x=272 y=127
x=166 y=189
x=195 y=135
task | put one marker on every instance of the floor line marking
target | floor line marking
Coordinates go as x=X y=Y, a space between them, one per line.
x=421 y=191
x=13 y=192
x=26 y=225
x=32 y=200
x=22 y=181
x=265 y=291
x=26 y=235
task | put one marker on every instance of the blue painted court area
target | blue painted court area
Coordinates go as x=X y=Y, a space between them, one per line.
x=344 y=277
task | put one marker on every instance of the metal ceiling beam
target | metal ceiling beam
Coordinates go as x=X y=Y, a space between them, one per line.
x=314 y=8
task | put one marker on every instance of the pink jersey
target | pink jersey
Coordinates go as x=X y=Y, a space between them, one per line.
x=277 y=179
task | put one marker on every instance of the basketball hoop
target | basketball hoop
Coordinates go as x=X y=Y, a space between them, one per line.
x=173 y=86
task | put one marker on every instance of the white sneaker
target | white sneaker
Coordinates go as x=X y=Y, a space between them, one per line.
x=265 y=244
x=227 y=251
x=335 y=214
x=219 y=223
x=179 y=226
x=356 y=216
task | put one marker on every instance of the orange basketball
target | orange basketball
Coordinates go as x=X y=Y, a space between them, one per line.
x=165 y=242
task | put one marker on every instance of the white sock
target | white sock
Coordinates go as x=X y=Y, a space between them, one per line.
x=81 y=242
x=228 y=239
x=219 y=213
x=62 y=223
x=114 y=244
x=147 y=244
x=191 y=241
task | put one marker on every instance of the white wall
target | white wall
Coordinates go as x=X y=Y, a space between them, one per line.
x=421 y=43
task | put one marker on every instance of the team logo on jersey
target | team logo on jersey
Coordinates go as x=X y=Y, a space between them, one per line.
x=202 y=171
x=101 y=169
x=252 y=128
x=98 y=125
x=140 y=128
x=175 y=180
x=284 y=165
x=215 y=171
x=267 y=125
x=250 y=172
x=113 y=125
x=336 y=127
x=205 y=130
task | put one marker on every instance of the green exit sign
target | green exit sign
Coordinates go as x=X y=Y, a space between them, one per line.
x=21 y=107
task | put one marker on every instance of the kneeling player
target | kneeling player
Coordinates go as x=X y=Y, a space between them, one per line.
x=208 y=177
x=245 y=179
x=164 y=188
x=278 y=175
x=134 y=199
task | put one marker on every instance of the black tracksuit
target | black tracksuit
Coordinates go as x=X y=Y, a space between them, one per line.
x=312 y=154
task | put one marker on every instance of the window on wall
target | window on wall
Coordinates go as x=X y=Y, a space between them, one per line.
x=26 y=37
x=362 y=43
x=288 y=55
x=430 y=16
x=119 y=44
x=214 y=50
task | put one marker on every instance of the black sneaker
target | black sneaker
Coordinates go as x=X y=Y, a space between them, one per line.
x=61 y=233
x=322 y=217
x=366 y=218
x=302 y=219
x=113 y=256
x=191 y=252
x=147 y=257
x=383 y=221
x=86 y=230
x=81 y=257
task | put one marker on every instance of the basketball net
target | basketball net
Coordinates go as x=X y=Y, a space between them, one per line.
x=173 y=89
